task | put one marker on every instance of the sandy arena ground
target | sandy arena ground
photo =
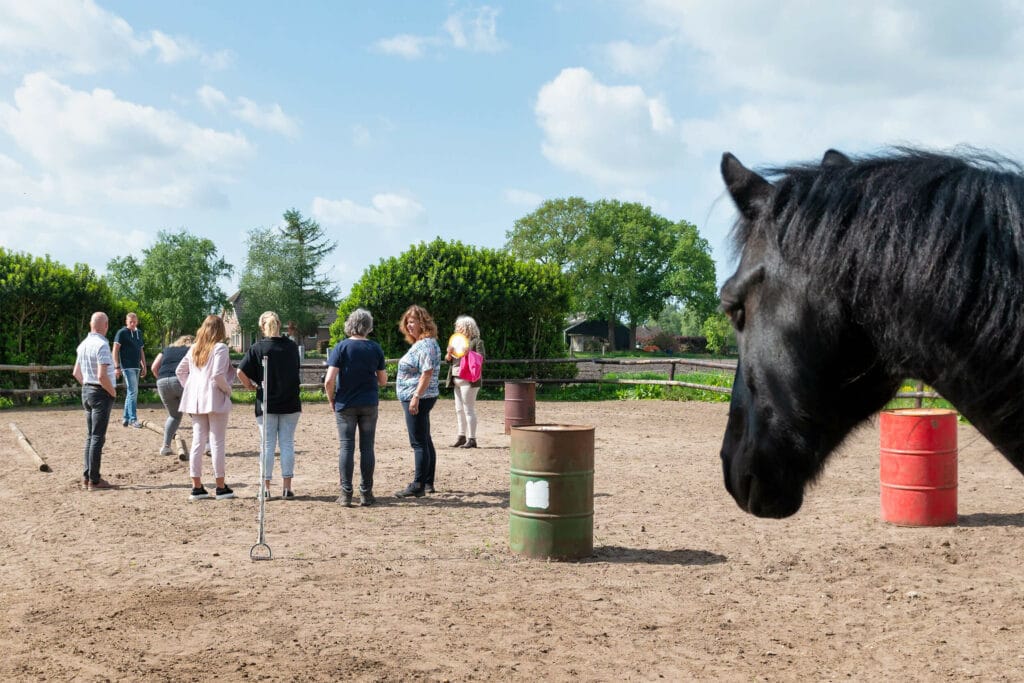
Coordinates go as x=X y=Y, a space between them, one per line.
x=139 y=584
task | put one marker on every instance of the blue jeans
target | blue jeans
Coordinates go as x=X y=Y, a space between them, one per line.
x=131 y=398
x=170 y=390
x=418 y=426
x=97 y=403
x=365 y=418
x=280 y=430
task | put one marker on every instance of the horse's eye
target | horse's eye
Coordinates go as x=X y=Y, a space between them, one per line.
x=734 y=310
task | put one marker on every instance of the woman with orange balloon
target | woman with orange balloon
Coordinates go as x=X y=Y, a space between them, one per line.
x=466 y=338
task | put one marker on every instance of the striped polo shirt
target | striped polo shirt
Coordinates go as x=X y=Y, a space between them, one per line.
x=92 y=352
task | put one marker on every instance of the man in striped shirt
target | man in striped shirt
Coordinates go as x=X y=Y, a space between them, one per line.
x=94 y=370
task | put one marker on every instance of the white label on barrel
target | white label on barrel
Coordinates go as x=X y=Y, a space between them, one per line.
x=537 y=495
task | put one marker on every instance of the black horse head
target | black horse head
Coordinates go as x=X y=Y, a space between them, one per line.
x=854 y=276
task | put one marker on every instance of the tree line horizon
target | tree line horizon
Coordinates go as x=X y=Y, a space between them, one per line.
x=606 y=259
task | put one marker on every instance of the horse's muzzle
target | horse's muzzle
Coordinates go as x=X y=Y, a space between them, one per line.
x=751 y=494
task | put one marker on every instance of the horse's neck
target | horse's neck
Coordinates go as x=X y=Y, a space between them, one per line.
x=998 y=415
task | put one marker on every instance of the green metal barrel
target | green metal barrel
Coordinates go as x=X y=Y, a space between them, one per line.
x=552 y=491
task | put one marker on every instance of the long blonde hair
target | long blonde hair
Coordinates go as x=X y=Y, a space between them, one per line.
x=208 y=335
x=270 y=324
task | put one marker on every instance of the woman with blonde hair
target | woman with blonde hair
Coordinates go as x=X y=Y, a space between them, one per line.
x=417 y=388
x=282 y=403
x=205 y=373
x=169 y=388
x=465 y=391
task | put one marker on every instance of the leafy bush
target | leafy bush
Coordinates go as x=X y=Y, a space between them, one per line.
x=719 y=333
x=520 y=307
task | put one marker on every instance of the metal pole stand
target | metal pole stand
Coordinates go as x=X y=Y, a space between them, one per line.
x=262 y=551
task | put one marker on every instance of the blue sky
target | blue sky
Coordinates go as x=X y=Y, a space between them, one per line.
x=392 y=123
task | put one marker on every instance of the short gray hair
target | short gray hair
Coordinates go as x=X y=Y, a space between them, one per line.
x=469 y=325
x=359 y=323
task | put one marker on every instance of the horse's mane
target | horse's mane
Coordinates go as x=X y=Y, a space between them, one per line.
x=930 y=240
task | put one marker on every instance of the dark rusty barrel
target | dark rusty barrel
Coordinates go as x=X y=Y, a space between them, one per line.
x=918 y=470
x=551 y=497
x=520 y=404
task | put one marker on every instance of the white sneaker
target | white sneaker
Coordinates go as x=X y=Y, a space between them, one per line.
x=165 y=450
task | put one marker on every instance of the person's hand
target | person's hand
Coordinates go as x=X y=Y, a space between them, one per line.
x=142 y=371
x=414 y=405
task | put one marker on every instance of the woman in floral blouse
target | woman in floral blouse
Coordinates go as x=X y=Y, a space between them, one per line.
x=417 y=388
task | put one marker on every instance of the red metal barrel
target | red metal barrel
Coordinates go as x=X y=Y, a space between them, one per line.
x=520 y=404
x=918 y=469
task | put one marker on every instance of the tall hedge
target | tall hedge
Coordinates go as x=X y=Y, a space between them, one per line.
x=520 y=307
x=44 y=313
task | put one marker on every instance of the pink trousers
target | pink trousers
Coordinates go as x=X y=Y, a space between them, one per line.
x=212 y=427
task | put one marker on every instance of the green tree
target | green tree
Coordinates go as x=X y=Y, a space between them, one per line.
x=551 y=233
x=692 y=281
x=176 y=282
x=519 y=306
x=678 y=320
x=624 y=262
x=719 y=333
x=123 y=275
x=282 y=274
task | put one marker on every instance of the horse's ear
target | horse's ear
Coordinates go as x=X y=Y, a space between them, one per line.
x=749 y=190
x=835 y=159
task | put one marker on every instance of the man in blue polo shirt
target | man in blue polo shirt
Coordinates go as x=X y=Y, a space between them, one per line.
x=130 y=362
x=94 y=370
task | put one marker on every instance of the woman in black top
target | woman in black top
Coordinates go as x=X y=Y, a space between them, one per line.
x=283 y=404
x=169 y=388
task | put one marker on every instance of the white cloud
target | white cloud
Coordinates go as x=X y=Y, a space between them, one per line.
x=95 y=144
x=81 y=37
x=67 y=238
x=523 y=198
x=16 y=181
x=794 y=78
x=211 y=98
x=873 y=46
x=612 y=134
x=476 y=31
x=637 y=61
x=387 y=210
x=361 y=136
x=172 y=50
x=404 y=45
x=266 y=117
x=219 y=60
x=471 y=30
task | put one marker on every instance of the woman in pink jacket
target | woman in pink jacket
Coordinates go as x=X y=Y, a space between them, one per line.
x=205 y=374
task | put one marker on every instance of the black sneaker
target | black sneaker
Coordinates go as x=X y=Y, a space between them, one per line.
x=199 y=494
x=413 y=489
x=225 y=492
x=124 y=422
x=366 y=498
x=287 y=494
x=429 y=488
x=345 y=499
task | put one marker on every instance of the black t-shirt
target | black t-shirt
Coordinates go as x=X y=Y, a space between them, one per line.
x=171 y=356
x=283 y=370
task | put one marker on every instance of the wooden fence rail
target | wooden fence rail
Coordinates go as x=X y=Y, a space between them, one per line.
x=672 y=362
